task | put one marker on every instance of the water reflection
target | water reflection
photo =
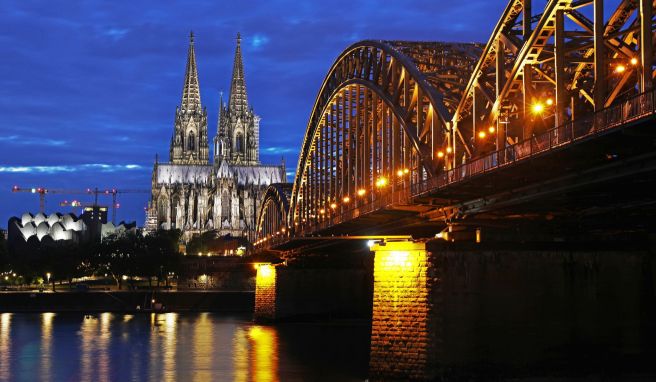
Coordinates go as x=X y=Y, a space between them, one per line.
x=5 y=346
x=46 y=345
x=162 y=347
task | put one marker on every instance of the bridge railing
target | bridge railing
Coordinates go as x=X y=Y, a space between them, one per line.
x=614 y=116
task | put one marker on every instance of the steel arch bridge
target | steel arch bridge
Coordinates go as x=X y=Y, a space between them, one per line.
x=396 y=120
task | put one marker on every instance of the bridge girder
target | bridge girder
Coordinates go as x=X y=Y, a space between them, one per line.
x=426 y=109
x=274 y=209
x=383 y=107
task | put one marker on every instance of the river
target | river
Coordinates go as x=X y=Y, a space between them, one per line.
x=177 y=347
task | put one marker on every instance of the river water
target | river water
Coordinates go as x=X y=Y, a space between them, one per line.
x=177 y=347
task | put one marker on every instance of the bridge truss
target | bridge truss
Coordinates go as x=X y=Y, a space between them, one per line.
x=394 y=119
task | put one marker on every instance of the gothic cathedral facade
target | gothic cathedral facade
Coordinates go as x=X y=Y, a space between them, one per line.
x=197 y=195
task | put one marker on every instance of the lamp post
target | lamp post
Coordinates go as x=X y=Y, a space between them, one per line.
x=48 y=274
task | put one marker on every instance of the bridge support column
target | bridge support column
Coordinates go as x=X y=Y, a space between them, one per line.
x=265 y=293
x=404 y=330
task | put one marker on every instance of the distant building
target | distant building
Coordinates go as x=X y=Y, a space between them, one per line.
x=35 y=230
x=194 y=195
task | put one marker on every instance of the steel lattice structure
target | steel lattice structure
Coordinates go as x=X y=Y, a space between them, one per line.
x=391 y=115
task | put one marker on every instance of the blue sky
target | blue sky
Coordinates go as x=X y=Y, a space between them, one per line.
x=88 y=89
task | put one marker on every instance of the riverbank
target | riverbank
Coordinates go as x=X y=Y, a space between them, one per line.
x=128 y=301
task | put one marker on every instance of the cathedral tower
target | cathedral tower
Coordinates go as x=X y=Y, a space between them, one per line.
x=238 y=132
x=189 y=143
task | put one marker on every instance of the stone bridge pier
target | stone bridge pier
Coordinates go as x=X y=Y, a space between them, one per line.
x=445 y=310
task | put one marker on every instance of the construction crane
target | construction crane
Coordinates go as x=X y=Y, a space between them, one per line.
x=42 y=191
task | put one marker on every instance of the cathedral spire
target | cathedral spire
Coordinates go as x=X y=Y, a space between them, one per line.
x=238 y=99
x=191 y=89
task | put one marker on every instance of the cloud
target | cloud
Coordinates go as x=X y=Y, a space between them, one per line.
x=116 y=33
x=259 y=40
x=279 y=150
x=26 y=141
x=56 y=169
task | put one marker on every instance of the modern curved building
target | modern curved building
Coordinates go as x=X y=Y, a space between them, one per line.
x=36 y=230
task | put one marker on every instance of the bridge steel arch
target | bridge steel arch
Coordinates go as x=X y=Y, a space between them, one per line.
x=272 y=217
x=381 y=118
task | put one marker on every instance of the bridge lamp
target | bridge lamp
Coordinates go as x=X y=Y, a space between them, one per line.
x=549 y=101
x=333 y=205
x=440 y=154
x=283 y=229
x=481 y=134
x=381 y=182
x=399 y=173
x=48 y=276
x=491 y=129
x=449 y=150
x=634 y=61
x=620 y=68
x=346 y=199
x=361 y=192
x=322 y=211
x=537 y=108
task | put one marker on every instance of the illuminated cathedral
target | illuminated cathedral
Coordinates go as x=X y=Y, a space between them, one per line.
x=195 y=194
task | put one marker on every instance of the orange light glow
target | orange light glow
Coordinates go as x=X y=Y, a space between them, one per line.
x=381 y=182
x=440 y=154
x=361 y=192
x=449 y=150
x=491 y=129
x=322 y=211
x=549 y=101
x=346 y=199
x=538 y=108
x=634 y=61
x=399 y=173
x=405 y=171
x=620 y=68
x=333 y=205
x=481 y=134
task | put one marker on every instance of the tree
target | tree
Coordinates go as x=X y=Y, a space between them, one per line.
x=118 y=254
x=4 y=254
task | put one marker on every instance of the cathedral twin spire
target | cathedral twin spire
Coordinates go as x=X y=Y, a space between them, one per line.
x=238 y=98
x=191 y=89
x=237 y=139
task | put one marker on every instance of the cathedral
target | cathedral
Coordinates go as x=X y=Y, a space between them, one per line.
x=195 y=193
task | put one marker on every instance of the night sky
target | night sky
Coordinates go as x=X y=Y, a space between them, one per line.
x=88 y=89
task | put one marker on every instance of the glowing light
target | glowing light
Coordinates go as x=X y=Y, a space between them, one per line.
x=381 y=182
x=399 y=259
x=370 y=243
x=264 y=271
x=399 y=173
x=283 y=229
x=481 y=134
x=549 y=101
x=634 y=61
x=346 y=199
x=620 y=68
x=449 y=150
x=491 y=129
x=361 y=192
x=333 y=205
x=440 y=154
x=322 y=211
x=538 y=108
